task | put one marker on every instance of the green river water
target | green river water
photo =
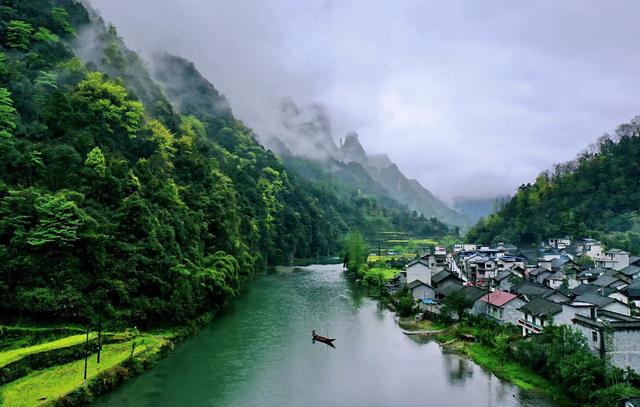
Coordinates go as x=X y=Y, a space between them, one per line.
x=260 y=353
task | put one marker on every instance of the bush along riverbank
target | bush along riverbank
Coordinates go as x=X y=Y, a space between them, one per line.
x=45 y=366
x=556 y=363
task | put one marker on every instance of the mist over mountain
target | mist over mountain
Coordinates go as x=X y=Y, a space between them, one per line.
x=477 y=208
x=307 y=132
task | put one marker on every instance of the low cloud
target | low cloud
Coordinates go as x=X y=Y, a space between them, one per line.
x=468 y=97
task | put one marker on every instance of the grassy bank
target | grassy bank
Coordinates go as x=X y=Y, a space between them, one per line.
x=463 y=339
x=62 y=382
x=47 y=385
x=509 y=371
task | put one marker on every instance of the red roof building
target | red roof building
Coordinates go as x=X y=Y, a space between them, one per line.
x=498 y=298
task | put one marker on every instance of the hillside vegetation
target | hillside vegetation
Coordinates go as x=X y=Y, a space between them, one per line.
x=134 y=194
x=596 y=195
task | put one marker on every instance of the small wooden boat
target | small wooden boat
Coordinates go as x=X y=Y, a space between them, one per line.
x=322 y=338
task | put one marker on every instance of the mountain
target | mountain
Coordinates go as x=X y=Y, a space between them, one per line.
x=306 y=133
x=136 y=194
x=477 y=208
x=596 y=195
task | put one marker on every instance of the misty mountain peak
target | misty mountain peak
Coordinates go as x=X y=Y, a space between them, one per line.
x=380 y=161
x=352 y=150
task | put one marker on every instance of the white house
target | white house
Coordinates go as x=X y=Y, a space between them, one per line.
x=418 y=270
x=421 y=291
x=605 y=303
x=590 y=247
x=612 y=335
x=537 y=314
x=615 y=259
x=560 y=242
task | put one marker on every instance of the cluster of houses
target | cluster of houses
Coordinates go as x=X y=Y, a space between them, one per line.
x=536 y=288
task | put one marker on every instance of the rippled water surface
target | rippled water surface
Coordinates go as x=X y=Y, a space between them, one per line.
x=260 y=353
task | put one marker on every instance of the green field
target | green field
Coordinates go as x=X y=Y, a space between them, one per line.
x=48 y=385
x=13 y=355
x=386 y=273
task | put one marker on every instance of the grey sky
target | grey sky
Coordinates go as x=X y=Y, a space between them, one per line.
x=469 y=97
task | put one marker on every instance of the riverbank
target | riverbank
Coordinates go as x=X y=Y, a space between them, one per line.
x=459 y=339
x=505 y=369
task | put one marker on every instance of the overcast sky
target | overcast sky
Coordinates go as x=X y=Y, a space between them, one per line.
x=469 y=97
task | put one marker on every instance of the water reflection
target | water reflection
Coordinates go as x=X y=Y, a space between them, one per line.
x=459 y=370
x=258 y=354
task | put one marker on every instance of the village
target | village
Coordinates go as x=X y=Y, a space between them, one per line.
x=564 y=282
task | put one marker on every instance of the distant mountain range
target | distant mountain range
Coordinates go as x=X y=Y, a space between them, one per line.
x=478 y=208
x=306 y=134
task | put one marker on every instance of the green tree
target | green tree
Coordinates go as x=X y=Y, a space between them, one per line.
x=96 y=162
x=458 y=303
x=7 y=113
x=355 y=253
x=19 y=34
x=44 y=35
x=59 y=221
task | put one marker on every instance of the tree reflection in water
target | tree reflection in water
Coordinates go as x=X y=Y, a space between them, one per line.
x=459 y=370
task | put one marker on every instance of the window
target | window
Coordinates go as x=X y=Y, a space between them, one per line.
x=594 y=335
x=593 y=313
x=500 y=314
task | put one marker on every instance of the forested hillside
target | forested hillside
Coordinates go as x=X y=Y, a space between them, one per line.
x=596 y=195
x=114 y=199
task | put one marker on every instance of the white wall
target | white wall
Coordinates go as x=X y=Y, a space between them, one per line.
x=419 y=272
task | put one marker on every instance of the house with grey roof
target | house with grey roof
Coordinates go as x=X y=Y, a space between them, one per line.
x=443 y=277
x=632 y=271
x=538 y=274
x=475 y=294
x=633 y=292
x=555 y=280
x=607 y=280
x=615 y=259
x=613 y=336
x=537 y=314
x=418 y=269
x=445 y=289
x=588 y=276
x=505 y=280
x=605 y=303
x=422 y=291
x=589 y=247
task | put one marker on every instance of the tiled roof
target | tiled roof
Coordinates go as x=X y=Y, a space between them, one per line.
x=414 y=262
x=558 y=275
x=473 y=293
x=530 y=288
x=634 y=290
x=438 y=277
x=537 y=271
x=605 y=281
x=541 y=307
x=630 y=270
x=417 y=283
x=498 y=298
x=585 y=288
x=502 y=275
x=448 y=287
x=596 y=299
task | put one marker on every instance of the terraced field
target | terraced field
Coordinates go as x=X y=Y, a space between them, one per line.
x=41 y=382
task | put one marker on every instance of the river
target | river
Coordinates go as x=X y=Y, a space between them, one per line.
x=260 y=353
